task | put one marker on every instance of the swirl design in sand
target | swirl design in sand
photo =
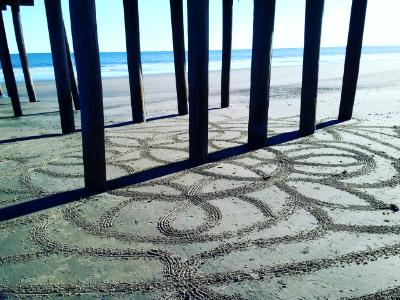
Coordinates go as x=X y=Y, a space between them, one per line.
x=259 y=224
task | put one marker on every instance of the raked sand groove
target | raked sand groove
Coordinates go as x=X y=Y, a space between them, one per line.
x=312 y=217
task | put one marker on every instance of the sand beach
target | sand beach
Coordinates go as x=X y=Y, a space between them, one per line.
x=304 y=218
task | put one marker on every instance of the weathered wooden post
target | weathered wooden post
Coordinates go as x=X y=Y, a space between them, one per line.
x=74 y=88
x=198 y=27
x=227 y=7
x=352 y=61
x=57 y=42
x=178 y=39
x=131 y=13
x=22 y=52
x=8 y=71
x=263 y=29
x=309 y=89
x=86 y=50
x=1 y=91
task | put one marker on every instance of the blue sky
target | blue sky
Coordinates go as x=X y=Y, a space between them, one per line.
x=382 y=24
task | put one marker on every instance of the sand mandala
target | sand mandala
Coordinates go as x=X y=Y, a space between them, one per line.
x=269 y=222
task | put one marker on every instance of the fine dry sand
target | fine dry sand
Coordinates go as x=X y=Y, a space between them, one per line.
x=303 y=219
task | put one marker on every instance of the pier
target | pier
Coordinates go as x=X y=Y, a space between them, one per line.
x=85 y=94
x=249 y=172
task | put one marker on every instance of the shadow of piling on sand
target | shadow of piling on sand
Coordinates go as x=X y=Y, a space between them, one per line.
x=46 y=202
x=51 y=135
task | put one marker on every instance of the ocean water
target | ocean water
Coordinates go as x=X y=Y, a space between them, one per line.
x=158 y=62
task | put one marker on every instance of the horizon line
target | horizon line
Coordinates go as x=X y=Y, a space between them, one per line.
x=233 y=49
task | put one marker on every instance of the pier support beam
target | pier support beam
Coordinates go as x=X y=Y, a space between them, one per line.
x=86 y=50
x=352 y=62
x=309 y=89
x=22 y=52
x=57 y=42
x=74 y=88
x=178 y=39
x=131 y=13
x=227 y=7
x=198 y=38
x=8 y=71
x=263 y=28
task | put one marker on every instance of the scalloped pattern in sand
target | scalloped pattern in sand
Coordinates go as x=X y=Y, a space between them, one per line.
x=309 y=218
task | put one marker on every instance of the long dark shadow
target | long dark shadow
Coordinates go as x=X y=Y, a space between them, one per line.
x=274 y=140
x=43 y=136
x=328 y=123
x=121 y=124
x=33 y=114
x=126 y=123
x=42 y=113
x=31 y=206
x=152 y=119
x=215 y=108
x=283 y=138
x=293 y=135
x=29 y=138
x=35 y=205
x=6 y=101
x=161 y=117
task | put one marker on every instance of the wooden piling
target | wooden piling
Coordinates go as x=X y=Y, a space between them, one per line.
x=309 y=89
x=87 y=61
x=57 y=42
x=178 y=39
x=263 y=28
x=227 y=7
x=352 y=61
x=74 y=88
x=198 y=38
x=8 y=71
x=22 y=52
x=131 y=13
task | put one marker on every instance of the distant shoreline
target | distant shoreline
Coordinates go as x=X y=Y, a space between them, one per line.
x=114 y=64
x=238 y=49
x=161 y=87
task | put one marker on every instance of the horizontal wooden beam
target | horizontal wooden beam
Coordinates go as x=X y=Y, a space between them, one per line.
x=16 y=2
